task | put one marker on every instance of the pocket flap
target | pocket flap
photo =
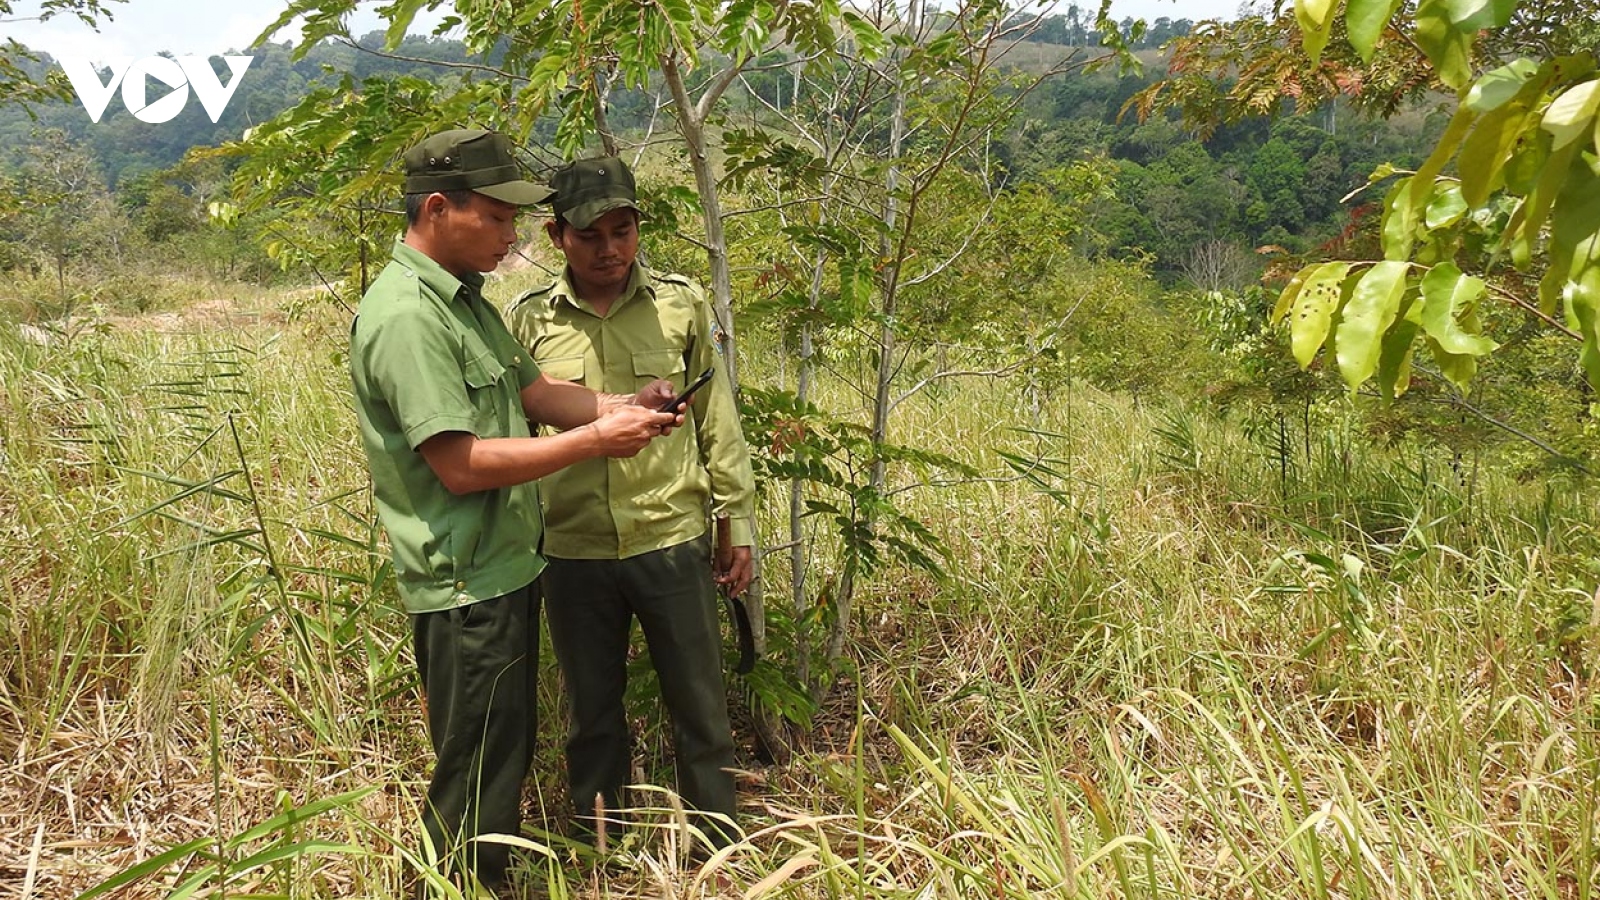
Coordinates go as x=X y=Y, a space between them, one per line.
x=566 y=368
x=658 y=364
x=483 y=370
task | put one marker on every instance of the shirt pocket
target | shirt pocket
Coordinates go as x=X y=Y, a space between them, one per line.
x=649 y=365
x=566 y=368
x=483 y=373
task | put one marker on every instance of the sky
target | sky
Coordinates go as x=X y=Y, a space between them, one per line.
x=142 y=28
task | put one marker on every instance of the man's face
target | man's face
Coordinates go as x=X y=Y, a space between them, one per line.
x=602 y=255
x=475 y=235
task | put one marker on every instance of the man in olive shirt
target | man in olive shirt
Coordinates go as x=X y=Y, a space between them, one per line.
x=444 y=395
x=629 y=537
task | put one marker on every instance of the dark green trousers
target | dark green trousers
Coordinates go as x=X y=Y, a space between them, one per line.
x=479 y=666
x=590 y=605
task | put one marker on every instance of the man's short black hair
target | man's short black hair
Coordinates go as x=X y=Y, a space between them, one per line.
x=414 y=203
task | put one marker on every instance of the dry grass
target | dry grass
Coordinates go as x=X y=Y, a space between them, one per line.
x=1174 y=684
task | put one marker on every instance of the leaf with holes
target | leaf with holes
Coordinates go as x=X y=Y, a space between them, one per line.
x=1373 y=306
x=1312 y=311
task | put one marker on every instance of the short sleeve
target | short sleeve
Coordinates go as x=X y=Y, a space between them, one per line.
x=415 y=366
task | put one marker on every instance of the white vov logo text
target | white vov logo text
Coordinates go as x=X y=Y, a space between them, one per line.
x=179 y=73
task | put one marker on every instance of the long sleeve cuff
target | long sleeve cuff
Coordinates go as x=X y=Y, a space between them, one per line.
x=741 y=531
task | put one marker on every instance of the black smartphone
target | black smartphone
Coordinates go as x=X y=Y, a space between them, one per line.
x=688 y=392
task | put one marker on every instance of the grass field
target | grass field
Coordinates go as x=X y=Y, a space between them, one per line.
x=1191 y=671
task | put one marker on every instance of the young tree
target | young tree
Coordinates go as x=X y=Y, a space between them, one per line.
x=888 y=190
x=64 y=211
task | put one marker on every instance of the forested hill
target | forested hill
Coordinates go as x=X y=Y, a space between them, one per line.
x=1195 y=208
x=125 y=146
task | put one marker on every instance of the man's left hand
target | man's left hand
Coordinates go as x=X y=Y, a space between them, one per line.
x=656 y=394
x=733 y=576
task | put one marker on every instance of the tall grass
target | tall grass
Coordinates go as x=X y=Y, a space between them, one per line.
x=1165 y=659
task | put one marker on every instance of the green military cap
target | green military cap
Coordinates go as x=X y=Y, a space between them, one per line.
x=587 y=189
x=470 y=159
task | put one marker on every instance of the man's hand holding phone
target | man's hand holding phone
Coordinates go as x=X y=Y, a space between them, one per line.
x=682 y=399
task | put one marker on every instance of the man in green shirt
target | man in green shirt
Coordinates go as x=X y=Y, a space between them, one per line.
x=444 y=395
x=629 y=538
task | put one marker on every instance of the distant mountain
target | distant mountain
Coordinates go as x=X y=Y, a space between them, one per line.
x=125 y=146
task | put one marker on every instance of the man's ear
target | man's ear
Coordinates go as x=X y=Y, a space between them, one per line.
x=553 y=230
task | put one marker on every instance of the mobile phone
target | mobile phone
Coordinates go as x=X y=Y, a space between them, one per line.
x=688 y=392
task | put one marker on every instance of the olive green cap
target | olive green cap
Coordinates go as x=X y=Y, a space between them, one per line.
x=587 y=189
x=470 y=159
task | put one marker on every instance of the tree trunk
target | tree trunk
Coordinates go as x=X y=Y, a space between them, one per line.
x=845 y=601
x=797 y=542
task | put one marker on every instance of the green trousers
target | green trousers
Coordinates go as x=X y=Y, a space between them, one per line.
x=590 y=605
x=479 y=666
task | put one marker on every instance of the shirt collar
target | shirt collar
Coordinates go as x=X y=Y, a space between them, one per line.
x=638 y=280
x=434 y=275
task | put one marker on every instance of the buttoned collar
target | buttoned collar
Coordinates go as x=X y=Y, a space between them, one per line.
x=433 y=275
x=638 y=280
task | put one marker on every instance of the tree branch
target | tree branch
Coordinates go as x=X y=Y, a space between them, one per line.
x=1001 y=372
x=1536 y=312
x=443 y=64
x=1460 y=403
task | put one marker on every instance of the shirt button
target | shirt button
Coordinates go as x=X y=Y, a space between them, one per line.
x=461 y=585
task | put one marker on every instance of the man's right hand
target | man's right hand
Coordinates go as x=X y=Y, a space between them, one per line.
x=625 y=430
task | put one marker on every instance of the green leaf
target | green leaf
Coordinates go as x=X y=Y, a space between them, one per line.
x=400 y=13
x=1373 y=306
x=1529 y=218
x=1571 y=115
x=1583 y=305
x=1447 y=297
x=1500 y=85
x=1457 y=368
x=1527 y=163
x=870 y=42
x=1312 y=312
x=1575 y=216
x=1446 y=208
x=151 y=866
x=1315 y=18
x=1290 y=292
x=1365 y=20
x=1446 y=46
x=1476 y=15
x=1399 y=228
x=1485 y=151
x=1394 y=361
